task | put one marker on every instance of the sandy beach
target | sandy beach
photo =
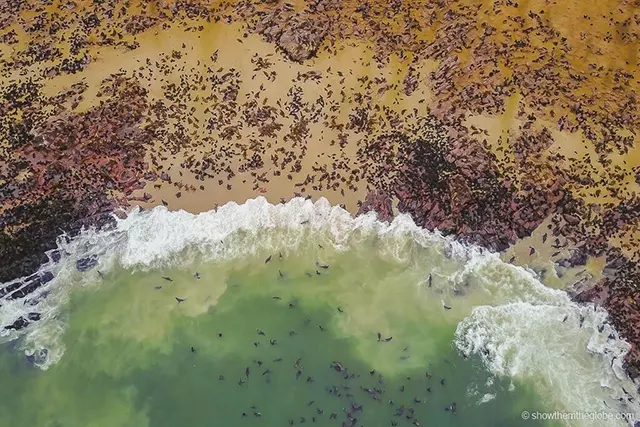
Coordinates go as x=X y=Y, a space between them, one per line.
x=511 y=126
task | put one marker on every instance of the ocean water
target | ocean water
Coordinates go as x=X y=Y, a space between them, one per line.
x=294 y=314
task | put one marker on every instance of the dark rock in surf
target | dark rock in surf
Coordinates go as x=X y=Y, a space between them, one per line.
x=19 y=324
x=21 y=289
x=22 y=323
x=85 y=264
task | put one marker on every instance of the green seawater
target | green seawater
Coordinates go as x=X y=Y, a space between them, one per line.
x=255 y=344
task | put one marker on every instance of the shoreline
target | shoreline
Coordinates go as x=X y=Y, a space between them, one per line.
x=276 y=100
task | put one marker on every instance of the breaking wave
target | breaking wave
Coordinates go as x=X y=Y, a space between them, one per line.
x=517 y=326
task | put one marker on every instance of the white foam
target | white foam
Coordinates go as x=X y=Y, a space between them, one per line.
x=517 y=330
x=487 y=397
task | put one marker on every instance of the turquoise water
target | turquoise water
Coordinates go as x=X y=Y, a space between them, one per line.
x=234 y=340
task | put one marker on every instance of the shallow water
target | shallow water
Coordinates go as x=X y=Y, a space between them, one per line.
x=122 y=351
x=129 y=357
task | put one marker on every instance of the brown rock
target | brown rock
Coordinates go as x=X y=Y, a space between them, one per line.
x=379 y=202
x=301 y=38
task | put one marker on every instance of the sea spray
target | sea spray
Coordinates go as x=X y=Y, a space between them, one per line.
x=503 y=314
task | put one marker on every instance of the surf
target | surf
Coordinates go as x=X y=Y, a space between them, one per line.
x=499 y=313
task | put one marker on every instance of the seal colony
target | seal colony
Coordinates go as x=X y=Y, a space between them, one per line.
x=510 y=125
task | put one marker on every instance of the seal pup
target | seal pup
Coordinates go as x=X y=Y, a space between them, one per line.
x=168 y=279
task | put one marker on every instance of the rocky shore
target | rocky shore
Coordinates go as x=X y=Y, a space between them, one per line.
x=484 y=121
